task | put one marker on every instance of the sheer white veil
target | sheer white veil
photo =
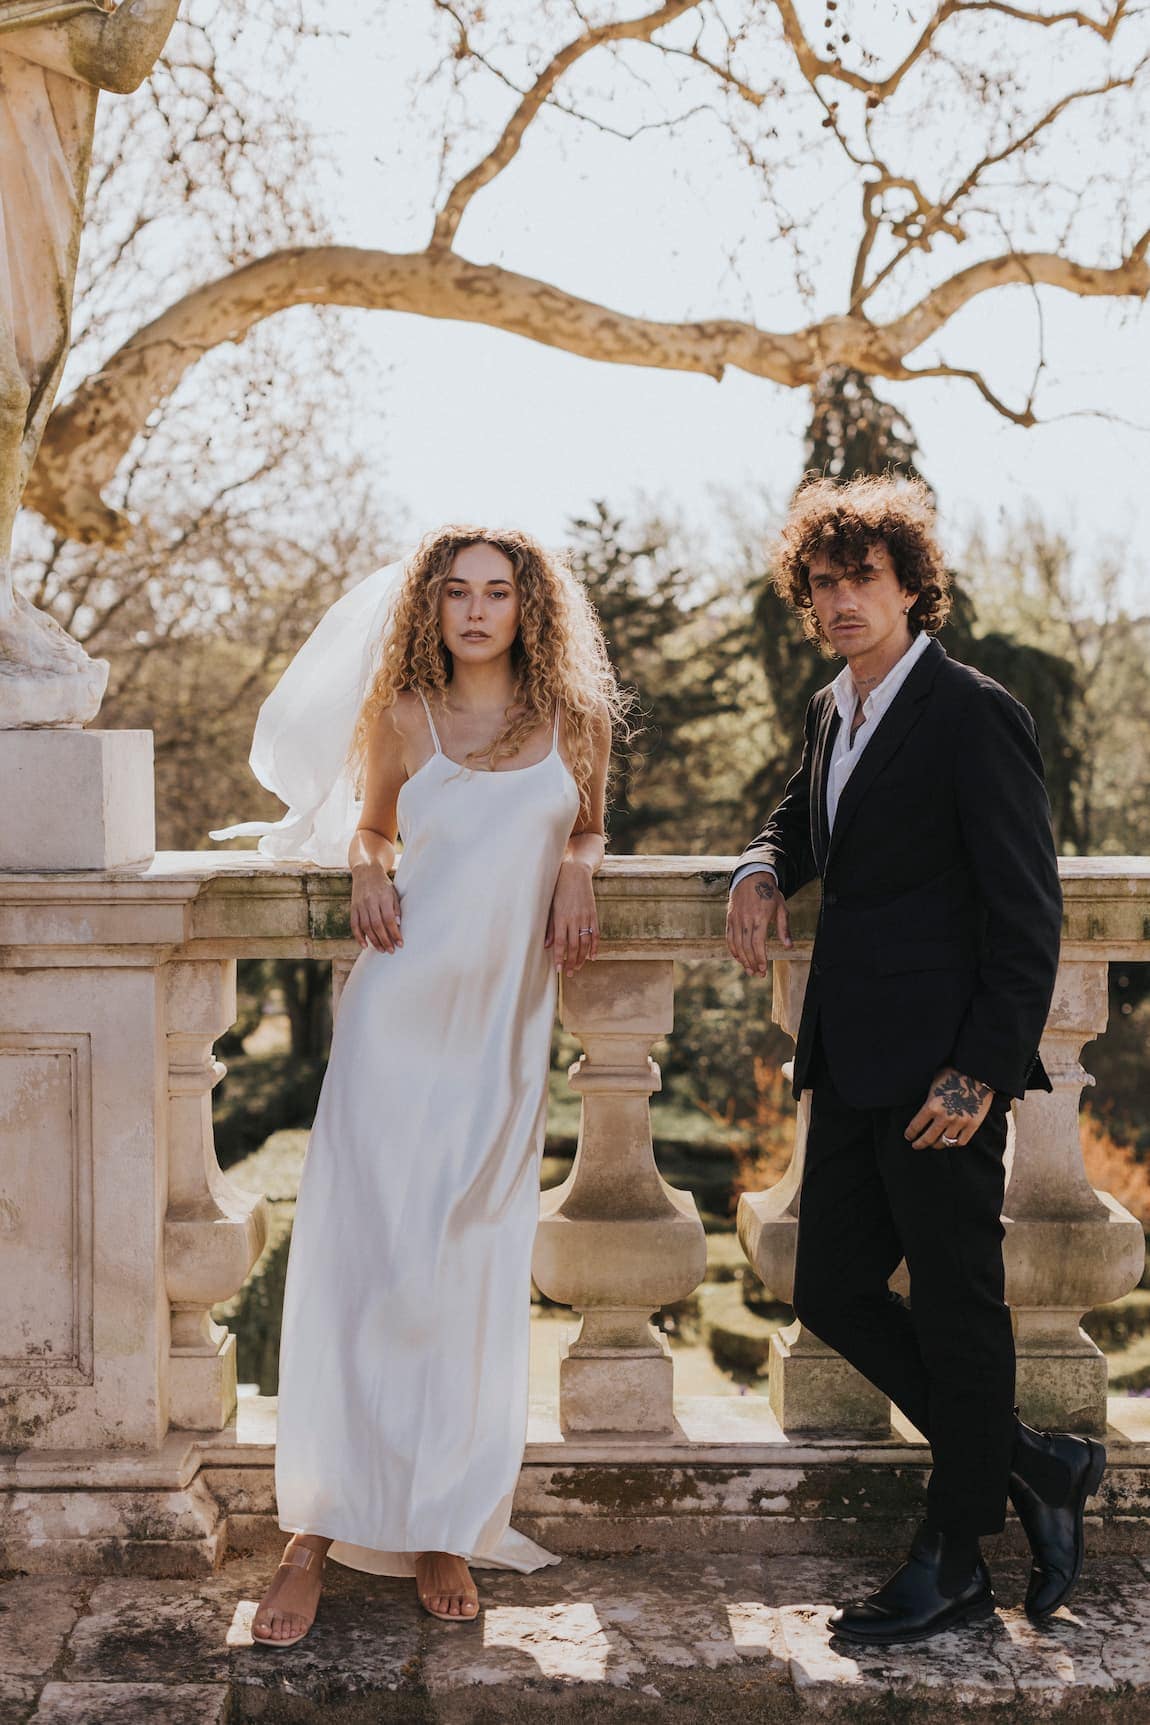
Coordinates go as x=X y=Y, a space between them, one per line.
x=305 y=727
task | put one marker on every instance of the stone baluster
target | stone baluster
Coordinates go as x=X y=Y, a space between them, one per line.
x=213 y=1232
x=615 y=1241
x=812 y=1389
x=1068 y=1248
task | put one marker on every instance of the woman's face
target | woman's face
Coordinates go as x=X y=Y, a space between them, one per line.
x=479 y=605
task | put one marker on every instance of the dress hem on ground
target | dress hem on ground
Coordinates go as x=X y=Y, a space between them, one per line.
x=513 y=1551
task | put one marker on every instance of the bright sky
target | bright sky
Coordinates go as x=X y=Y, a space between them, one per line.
x=477 y=424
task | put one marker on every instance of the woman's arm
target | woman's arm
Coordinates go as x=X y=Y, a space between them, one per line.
x=375 y=918
x=573 y=911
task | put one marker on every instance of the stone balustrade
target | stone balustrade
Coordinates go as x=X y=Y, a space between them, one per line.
x=120 y=1232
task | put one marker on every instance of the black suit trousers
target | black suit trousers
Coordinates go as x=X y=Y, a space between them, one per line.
x=870 y=1199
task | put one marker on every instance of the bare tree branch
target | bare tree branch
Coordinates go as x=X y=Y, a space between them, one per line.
x=100 y=430
x=814 y=65
x=1017 y=415
x=932 y=218
x=1130 y=278
x=88 y=437
x=507 y=148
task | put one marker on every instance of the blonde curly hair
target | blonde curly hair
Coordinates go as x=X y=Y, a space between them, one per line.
x=559 y=656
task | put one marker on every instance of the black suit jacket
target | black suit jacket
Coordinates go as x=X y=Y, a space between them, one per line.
x=938 y=935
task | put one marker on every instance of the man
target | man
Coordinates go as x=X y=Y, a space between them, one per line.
x=920 y=802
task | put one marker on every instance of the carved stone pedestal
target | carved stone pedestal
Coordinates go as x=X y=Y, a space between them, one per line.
x=815 y=1391
x=77 y=1513
x=118 y=1230
x=213 y=1232
x=76 y=799
x=615 y=1241
x=1068 y=1248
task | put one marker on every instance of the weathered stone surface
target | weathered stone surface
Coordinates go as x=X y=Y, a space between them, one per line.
x=17 y=1698
x=630 y=1641
x=588 y=1628
x=1081 y=1665
x=365 y=1642
x=133 y=1704
x=360 y=1661
x=102 y=811
x=138 y=1631
x=36 y=1618
x=100 y=1532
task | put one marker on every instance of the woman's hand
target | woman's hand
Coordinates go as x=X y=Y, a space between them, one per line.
x=375 y=918
x=573 y=925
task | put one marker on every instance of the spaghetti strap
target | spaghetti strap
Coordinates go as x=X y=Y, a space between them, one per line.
x=555 y=731
x=430 y=722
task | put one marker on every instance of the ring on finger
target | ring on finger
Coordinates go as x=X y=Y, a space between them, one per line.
x=949 y=1142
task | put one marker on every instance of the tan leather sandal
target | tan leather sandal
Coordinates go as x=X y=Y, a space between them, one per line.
x=299 y=1557
x=445 y=1616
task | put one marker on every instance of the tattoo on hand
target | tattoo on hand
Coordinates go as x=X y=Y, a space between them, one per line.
x=765 y=887
x=962 y=1096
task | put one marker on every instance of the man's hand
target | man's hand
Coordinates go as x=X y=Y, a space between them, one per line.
x=952 y=1112
x=754 y=905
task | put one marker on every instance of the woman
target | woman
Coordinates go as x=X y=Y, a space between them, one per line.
x=484 y=740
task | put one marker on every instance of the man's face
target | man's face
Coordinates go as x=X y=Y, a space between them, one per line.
x=860 y=609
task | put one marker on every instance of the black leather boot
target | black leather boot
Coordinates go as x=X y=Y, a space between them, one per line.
x=911 y=1606
x=1052 y=1475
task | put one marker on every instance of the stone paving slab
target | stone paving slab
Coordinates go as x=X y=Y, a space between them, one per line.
x=133 y=1704
x=619 y=1641
x=37 y=1615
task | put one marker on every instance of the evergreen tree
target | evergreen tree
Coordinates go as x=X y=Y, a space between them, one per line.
x=671 y=788
x=853 y=431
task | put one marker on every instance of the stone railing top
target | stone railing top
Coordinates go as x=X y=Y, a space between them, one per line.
x=231 y=904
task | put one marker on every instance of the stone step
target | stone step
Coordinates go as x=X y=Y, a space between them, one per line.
x=628 y=1640
x=727 y=1481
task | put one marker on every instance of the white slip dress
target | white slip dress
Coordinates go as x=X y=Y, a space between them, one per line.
x=406 y=1321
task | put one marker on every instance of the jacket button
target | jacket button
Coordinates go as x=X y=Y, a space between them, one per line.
x=830 y=898
x=816 y=969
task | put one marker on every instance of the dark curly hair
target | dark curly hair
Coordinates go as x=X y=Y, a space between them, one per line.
x=843 y=521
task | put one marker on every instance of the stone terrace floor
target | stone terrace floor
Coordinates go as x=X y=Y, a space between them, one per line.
x=691 y=1639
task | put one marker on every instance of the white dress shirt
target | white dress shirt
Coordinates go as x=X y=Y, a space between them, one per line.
x=848 y=749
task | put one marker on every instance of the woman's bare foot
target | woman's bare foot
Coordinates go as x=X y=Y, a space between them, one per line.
x=443 y=1582
x=288 y=1608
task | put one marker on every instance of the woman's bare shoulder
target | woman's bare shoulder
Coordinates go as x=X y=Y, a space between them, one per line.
x=408 y=707
x=401 y=716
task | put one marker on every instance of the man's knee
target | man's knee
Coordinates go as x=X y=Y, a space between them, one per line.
x=834 y=1311
x=821 y=1310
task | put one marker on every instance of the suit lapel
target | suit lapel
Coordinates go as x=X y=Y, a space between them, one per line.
x=828 y=729
x=896 y=723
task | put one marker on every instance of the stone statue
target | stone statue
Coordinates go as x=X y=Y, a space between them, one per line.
x=55 y=58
